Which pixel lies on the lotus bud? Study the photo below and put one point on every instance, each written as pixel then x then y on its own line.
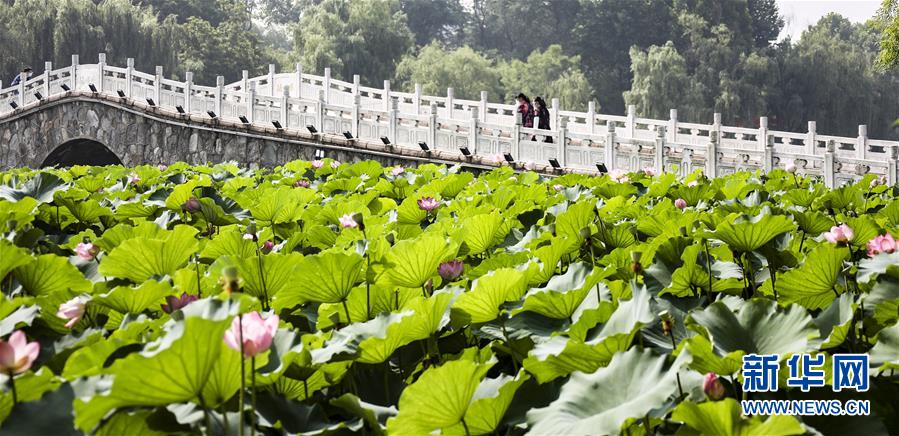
pixel 162 167
pixel 397 171
pixel 318 163
pixel 667 322
pixel 192 205
pixel 348 222
pixel 841 235
pixel 229 280
pixel 680 203
pixel 451 270
pixel 251 334
pixel 73 310
pixel 790 167
pixel 267 246
pixel 635 262
pixel 87 250
pixel 649 172
pixel 692 183
pixel 174 303
pixel 712 386
pixel 335 164
pixel 558 187
pixel 302 183
pixel 428 204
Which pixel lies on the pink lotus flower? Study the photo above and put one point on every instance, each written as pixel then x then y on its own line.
pixel 348 222
pixel 692 183
pixel 558 187
pixel 498 158
pixel 840 234
pixel 649 172
pixel 619 176
pixel 318 163
pixel 162 167
pixel 882 180
pixel 712 386
pixel 396 171
pixel 882 244
pixel 87 250
pixel 790 167
pixel 680 203
pixel 73 310
pixel 17 354
pixel 133 179
pixel 451 270
pixel 249 236
pixel 174 303
pixel 335 164
pixel 257 334
pixel 428 204
pixel 302 183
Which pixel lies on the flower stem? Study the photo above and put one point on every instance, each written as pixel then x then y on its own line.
pixel 243 386
pixel 347 311
pixel 262 278
pixel 12 385
pixel 465 426
pixel 253 392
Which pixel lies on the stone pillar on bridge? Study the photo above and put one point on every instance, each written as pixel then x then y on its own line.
pixel 473 130
pixel 219 90
pixel 711 155
pixel 610 146
pixel 672 125
pixel 285 105
pixel 356 84
pixel 101 67
pixel 388 100
pixel 298 80
pixel 250 101
pixel 432 125
pixel 762 137
pixel 769 152
pixel 483 106
pixel 659 160
pixel 829 164
pixel 591 117
pixel 630 124
pixel 393 115
pixel 861 143
pixel 450 105
pixel 271 80
pixel 320 111
pixel 893 166
pixel 516 136
pixel 129 76
pixel 73 72
pixel 188 91
pixel 157 91
pixel 716 128
pixel 244 80
pixel 326 86
pixel 811 138
pixel 48 67
pixel 357 107
pixel 562 140
pixel 554 116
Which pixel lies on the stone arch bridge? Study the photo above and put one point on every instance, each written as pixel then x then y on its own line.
pixel 99 114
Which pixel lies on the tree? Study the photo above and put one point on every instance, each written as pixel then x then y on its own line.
pixel 462 69
pixel 604 33
pixel 550 74
pixel 435 20
pixel 365 37
pixel 766 21
pixel 887 22
pixel 515 28
pixel 661 82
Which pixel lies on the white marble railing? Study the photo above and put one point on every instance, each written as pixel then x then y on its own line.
pixel 579 140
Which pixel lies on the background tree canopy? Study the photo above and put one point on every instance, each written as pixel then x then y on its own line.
pixel 698 56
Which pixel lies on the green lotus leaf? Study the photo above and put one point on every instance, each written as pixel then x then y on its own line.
pixel 835 321
pixel 41 187
pixel 722 418
pixel 281 205
pixel 181 193
pixel 882 303
pixel 452 386
pixel 136 299
pixel 562 295
pixel 12 257
pixel 85 211
pixel 813 222
pixel 705 360
pixel 885 354
pixel 745 234
pixel 881 264
pixel 325 278
pixel 479 231
pixel 488 292
pixel 30 387
pixel 50 274
pixel 634 383
pixel 319 378
pixel 372 341
pixel 22 212
pixel 113 237
pixel 549 257
pixel 15 313
pixel 138 259
pixel 813 284
pixel 578 216
pixel 132 423
pixel 489 404
pixel 280 273
pixel 172 369
pixel 135 210
pixel 413 262
pixel 759 326
pixel 374 416
pixel 409 213
pixel 229 242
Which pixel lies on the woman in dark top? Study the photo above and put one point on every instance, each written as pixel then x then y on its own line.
pixel 526 110
pixel 542 113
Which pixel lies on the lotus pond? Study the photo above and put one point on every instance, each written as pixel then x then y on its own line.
pixel 413 301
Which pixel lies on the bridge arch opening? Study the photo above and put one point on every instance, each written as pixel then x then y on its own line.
pixel 81 152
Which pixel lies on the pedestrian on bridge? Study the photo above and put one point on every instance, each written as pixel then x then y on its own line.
pixel 22 77
pixel 526 110
pixel 542 115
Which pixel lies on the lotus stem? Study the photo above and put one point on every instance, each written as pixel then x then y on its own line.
pixel 801 241
pixel 12 387
pixel 773 280
pixel 243 386
pixel 708 256
pixel 253 392
pixel 262 278
pixel 465 426
pixel 225 418
pixel 206 418
pixel 199 287
pixel 367 282
pixel 347 311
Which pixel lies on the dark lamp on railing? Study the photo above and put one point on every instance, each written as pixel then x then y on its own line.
pixel 424 146
pixel 555 164
pixel 92 88
pixel 277 125
pixel 13 105
pixel 38 96
pixel 211 114
pixel 243 119
pixel 151 102
pixel 65 87
pixel 601 167
pixel 385 140
pixel 348 136
pixel 180 109
pixel 465 151
pixel 121 93
pixel 311 129
pixel 509 158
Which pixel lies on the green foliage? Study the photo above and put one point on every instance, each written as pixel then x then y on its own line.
pixel 553 324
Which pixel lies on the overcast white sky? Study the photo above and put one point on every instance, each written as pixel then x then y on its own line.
pixel 799 14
